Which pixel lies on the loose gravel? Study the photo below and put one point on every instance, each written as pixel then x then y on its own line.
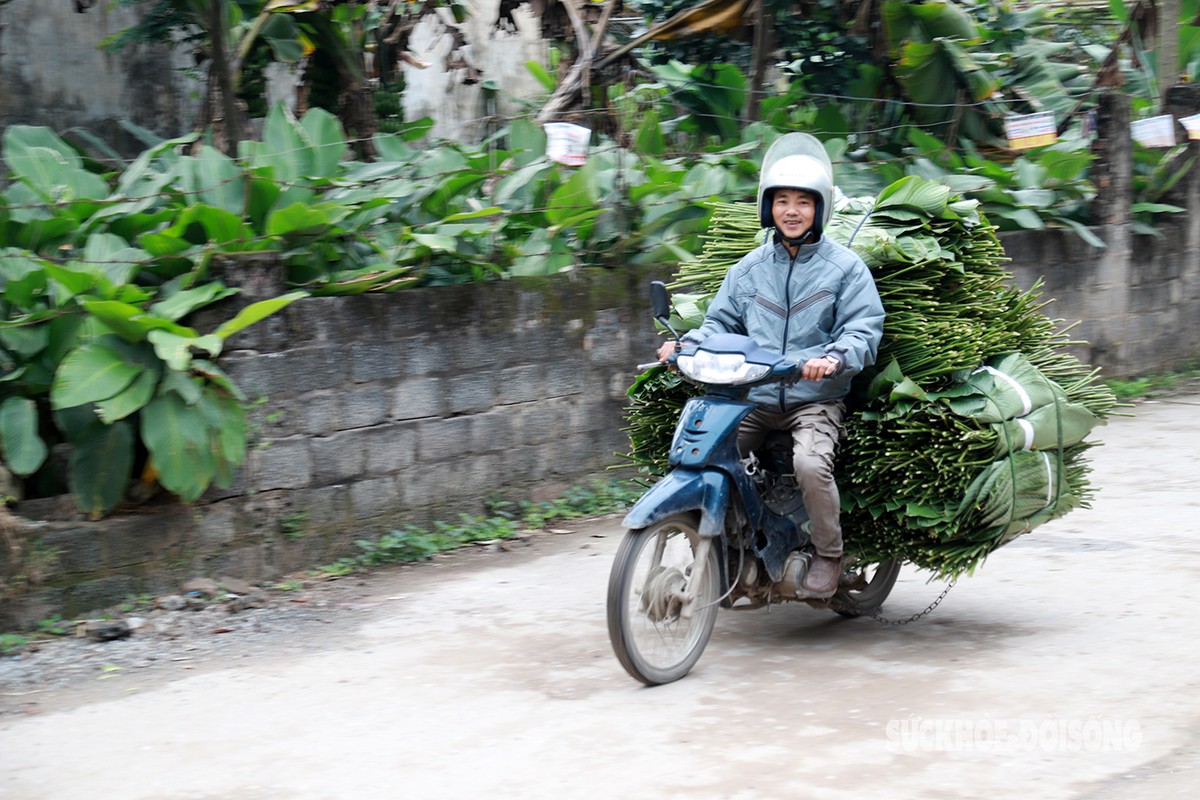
pixel 166 642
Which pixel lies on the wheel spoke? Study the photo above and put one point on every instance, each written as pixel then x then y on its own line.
pixel 656 577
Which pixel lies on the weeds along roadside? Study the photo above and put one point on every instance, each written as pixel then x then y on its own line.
pixel 504 519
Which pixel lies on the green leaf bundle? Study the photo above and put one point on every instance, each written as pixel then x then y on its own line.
pixel 944 461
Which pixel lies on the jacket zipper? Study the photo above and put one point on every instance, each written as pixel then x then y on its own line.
pixel 787 321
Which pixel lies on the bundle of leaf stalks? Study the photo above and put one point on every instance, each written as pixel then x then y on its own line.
pixel 969 431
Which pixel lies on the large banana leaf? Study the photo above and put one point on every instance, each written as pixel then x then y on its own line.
pixel 22 447
pixel 100 465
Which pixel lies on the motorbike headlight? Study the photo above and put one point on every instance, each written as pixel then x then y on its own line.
pixel 720 368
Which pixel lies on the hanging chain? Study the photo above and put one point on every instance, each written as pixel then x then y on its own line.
pixel 937 601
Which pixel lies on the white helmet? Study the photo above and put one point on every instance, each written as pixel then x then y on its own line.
pixel 797 161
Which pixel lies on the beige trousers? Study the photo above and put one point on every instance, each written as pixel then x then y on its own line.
pixel 816 430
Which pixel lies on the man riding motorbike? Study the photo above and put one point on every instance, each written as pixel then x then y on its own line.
pixel 814 301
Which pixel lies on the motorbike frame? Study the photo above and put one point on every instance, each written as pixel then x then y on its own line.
pixel 708 476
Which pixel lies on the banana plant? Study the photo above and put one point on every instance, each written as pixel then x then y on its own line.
pixel 95 285
pixel 941 67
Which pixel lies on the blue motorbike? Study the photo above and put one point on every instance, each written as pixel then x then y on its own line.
pixel 720 530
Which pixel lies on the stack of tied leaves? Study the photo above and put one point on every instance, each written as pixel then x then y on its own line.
pixel 971 428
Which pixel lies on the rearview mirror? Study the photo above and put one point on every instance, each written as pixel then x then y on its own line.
pixel 660 301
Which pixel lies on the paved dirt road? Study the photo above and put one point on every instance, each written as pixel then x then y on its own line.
pixel 1067 667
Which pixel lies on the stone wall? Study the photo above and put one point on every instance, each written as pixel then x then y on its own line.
pixel 1143 324
pixel 1137 299
pixel 370 413
pixel 54 72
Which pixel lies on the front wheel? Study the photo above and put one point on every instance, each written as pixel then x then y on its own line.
pixel 662 599
pixel 866 589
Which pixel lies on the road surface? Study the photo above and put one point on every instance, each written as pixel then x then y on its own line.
pixel 1067 667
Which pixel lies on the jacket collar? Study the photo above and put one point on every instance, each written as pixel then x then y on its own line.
pixel 807 250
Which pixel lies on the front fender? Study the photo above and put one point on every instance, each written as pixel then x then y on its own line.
pixel 682 490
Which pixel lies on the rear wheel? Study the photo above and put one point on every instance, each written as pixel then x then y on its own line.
pixel 866 589
pixel 662 599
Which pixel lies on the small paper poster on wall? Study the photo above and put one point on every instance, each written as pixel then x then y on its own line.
pixel 567 143
pixel 1030 130
pixel 1191 125
pixel 1155 132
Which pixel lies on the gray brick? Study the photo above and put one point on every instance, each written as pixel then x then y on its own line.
pixel 427 484
pixel 30 609
pixel 390 448
pixel 249 562
pixel 365 405
pixel 95 595
pixel 544 421
pixel 537 340
pixel 521 384
pixel 375 497
pixel 236 487
pixel 316 413
pixel 143 539
pixel 609 345
pixel 581 452
pixel 472 393
pixel 338 458
pixel 423 355
pixel 479 476
pixel 531 463
pixel 346 320
pixel 564 379
pixel 257 374
pixel 313 368
pixel 457 484
pixel 324 506
pixel 373 361
pixel 496 431
pixel 217 526
pixel 522 461
pixel 618 383
pixel 78 550
pixel 416 398
pixel 479 352
pixel 281 464
pixel 306 320
pixel 444 439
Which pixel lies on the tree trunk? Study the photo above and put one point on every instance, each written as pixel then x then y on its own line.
pixel 1169 12
pixel 356 109
pixel 760 55
pixel 223 104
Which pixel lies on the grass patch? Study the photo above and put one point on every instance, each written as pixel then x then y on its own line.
pixel 12 643
pixel 506 520
pixel 1154 385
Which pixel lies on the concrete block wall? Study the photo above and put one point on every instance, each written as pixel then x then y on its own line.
pixel 370 413
pixel 1146 324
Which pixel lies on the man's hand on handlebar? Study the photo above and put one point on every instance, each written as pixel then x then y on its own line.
pixel 666 350
pixel 816 369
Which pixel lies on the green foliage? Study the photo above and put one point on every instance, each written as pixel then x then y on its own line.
pixel 816 38
pixel 12 643
pixel 1154 385
pixel 594 499
pixel 507 520
pixel 293 526
pixel 93 294
pixel 919 476
pixel 54 626
pixel 332 37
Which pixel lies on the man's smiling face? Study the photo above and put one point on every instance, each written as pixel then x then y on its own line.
pixel 793 212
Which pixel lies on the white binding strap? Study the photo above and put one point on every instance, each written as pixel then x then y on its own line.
pixel 1026 431
pixel 1049 481
pixel 1026 402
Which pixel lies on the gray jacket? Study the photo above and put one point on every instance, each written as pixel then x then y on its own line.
pixel 823 302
